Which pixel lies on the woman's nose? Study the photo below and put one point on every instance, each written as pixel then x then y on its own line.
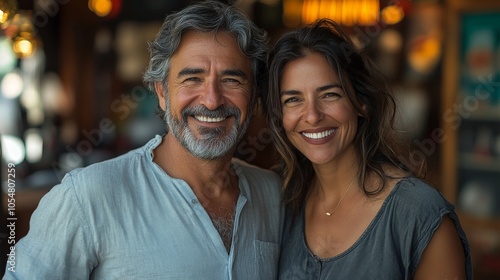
pixel 313 113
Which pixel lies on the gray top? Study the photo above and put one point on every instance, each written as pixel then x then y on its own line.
pixel 390 247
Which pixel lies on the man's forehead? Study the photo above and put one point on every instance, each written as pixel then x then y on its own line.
pixel 200 52
pixel 219 39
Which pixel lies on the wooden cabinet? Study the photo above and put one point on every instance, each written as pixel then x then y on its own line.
pixel 470 118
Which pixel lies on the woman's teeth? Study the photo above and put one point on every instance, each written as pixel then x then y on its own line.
pixel 318 135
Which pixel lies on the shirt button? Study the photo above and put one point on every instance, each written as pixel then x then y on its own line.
pixel 194 201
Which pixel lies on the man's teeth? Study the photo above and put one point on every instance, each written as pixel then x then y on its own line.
pixel 209 119
pixel 318 135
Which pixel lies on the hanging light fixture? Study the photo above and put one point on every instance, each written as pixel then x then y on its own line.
pixel 351 12
pixel 344 12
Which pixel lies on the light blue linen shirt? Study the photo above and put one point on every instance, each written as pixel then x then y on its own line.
pixel 126 218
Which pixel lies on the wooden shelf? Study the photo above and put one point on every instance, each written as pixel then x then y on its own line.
pixel 485 113
pixel 483 232
pixel 479 163
pixel 475 222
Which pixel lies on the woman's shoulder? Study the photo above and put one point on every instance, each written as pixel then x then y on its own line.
pixel 415 195
pixel 413 187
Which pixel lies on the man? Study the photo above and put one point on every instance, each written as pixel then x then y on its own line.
pixel 180 207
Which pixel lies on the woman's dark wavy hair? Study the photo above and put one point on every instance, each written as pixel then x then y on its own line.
pixel 377 142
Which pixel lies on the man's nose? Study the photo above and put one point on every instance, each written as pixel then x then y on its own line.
pixel 212 96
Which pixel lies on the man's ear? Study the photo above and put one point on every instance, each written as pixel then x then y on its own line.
pixel 160 92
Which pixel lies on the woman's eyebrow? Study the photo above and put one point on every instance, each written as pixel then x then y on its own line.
pixel 319 89
pixel 290 92
pixel 322 88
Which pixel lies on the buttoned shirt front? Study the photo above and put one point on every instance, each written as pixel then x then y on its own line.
pixel 126 218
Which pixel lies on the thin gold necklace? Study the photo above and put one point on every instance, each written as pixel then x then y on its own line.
pixel 342 198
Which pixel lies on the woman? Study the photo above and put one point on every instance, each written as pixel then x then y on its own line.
pixel 355 208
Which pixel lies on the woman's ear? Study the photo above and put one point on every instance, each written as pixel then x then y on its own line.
pixel 160 92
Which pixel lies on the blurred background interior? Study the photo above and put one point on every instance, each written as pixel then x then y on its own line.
pixel 71 92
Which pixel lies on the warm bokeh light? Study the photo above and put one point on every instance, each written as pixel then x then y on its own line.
pixel 3 17
pixel 101 8
pixel 345 12
pixel 23 47
pixel 392 14
pixel 8 9
pixel 23 34
pixel 292 10
pixel 424 54
pixel 391 41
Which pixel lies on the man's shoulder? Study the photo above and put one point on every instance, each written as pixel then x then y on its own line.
pixel 123 171
pixel 250 169
pixel 119 164
pixel 112 165
pixel 262 183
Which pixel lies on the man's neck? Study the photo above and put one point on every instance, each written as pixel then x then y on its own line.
pixel 214 183
pixel 206 177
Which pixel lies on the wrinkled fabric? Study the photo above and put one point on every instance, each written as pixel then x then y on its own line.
pixel 390 247
pixel 127 219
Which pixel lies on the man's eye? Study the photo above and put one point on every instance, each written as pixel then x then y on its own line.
pixel 231 81
pixel 192 79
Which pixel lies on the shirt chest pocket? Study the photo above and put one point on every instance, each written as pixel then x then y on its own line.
pixel 267 256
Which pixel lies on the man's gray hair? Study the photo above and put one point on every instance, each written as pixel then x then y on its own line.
pixel 210 17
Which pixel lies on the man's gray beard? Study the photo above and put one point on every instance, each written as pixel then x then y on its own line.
pixel 212 143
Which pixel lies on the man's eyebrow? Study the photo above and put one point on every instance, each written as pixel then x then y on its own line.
pixel 234 72
pixel 228 72
pixel 190 71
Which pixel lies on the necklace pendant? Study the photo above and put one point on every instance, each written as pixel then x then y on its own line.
pixel 328 213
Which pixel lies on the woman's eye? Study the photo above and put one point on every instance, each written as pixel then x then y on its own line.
pixel 290 100
pixel 333 95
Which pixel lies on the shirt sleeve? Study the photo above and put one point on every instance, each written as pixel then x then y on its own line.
pixel 426 215
pixel 58 244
